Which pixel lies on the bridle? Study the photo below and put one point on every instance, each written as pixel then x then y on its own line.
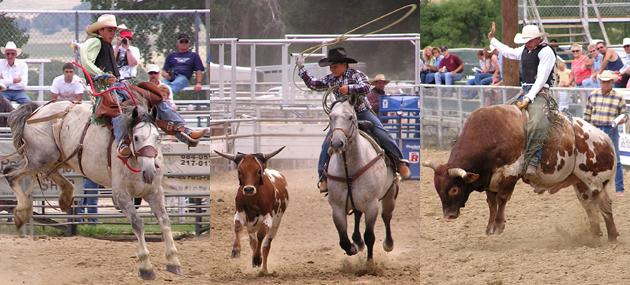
pixel 145 151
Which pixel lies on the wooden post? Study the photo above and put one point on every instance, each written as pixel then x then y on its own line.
pixel 510 28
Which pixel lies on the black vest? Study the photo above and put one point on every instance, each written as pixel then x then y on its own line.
pixel 529 65
pixel 105 59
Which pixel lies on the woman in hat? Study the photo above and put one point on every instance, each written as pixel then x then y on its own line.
pixel 97 56
pixel 350 81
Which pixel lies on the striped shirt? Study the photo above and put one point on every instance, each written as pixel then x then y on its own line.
pixel 356 80
pixel 602 109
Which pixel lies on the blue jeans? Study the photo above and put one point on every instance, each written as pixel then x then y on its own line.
pixel 91 201
pixel 18 96
pixel 384 139
pixel 613 133
pixel 483 78
pixel 447 77
pixel 428 77
pixel 590 83
pixel 165 112
pixel 178 83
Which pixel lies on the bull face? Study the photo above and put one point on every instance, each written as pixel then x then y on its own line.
pixel 453 186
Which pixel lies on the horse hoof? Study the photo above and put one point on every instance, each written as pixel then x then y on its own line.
pixel 360 246
pixel 175 269
pixel 256 261
pixel 236 253
pixel 353 250
pixel 147 274
pixel 388 246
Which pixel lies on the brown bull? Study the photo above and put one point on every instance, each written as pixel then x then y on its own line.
pixel 488 156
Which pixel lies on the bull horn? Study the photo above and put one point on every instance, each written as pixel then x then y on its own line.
pixel 267 156
pixel 228 156
pixel 430 164
pixel 457 172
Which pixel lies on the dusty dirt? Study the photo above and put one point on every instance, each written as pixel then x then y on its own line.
pixel 545 242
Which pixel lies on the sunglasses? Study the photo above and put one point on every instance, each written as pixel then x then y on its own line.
pixel 626 46
pixel 10 53
pixel 574 51
pixel 183 41
pixel 600 48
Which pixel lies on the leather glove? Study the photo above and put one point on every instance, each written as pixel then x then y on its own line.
pixel 299 61
pixel 522 104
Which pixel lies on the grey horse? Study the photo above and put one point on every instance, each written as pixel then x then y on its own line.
pixel 56 135
pixel 355 161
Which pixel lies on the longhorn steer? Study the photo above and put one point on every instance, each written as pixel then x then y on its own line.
pixel 261 200
pixel 488 156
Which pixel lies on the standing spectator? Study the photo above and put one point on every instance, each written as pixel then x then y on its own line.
pixel 594 62
pixel 5 107
pixel 602 108
pixel 429 65
pixel 450 68
pixel 612 61
pixel 579 67
pixel 375 94
pixel 14 74
pixel 154 77
pixel 625 70
pixel 127 56
pixel 180 65
pixel 68 86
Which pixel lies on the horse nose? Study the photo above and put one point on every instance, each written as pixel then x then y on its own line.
pixel 147 176
pixel 337 143
pixel 249 189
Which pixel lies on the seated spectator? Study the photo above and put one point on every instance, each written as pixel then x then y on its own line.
pixel 594 62
pixel 428 65
pixel 68 86
pixel 477 70
pixel 14 74
pixel 580 66
pixel 375 94
pixel 450 69
pixel 437 57
pixel 625 70
pixel 612 61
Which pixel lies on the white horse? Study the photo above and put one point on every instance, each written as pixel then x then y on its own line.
pixel 60 135
pixel 356 163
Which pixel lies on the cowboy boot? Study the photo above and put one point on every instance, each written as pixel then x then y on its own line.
pixel 190 137
pixel 123 148
pixel 403 169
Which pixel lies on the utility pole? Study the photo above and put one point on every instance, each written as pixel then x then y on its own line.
pixel 509 9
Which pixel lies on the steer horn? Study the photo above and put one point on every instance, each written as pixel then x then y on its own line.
pixel 267 156
pixel 457 172
pixel 233 157
pixel 430 164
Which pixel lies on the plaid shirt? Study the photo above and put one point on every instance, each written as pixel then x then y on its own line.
pixel 602 109
pixel 356 80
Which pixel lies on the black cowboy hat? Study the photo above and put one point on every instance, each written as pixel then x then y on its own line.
pixel 336 55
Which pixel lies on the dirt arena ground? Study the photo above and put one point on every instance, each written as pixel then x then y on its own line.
pixel 545 242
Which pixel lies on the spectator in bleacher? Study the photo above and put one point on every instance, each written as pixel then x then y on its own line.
pixel 154 77
pixel 580 69
pixel 477 70
pixel 374 97
pixel 437 54
pixel 594 62
pixel 450 69
pixel 612 61
pixel 127 56
pixel 428 67
pixel 68 86
pixel 14 74
pixel 180 65
pixel 564 78
pixel 625 70
pixel 5 107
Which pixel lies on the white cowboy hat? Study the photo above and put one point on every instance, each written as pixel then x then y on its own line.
pixel 378 77
pixel 608 75
pixel 153 68
pixel 104 21
pixel 11 46
pixel 529 32
pixel 626 41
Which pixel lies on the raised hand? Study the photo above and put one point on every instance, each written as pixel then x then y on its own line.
pixel 493 29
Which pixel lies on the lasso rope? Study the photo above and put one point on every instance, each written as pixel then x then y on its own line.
pixel 309 51
pixel 87 75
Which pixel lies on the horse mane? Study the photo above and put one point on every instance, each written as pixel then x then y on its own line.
pixel 17 120
pixel 129 122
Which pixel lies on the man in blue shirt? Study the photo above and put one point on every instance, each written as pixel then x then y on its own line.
pixel 180 65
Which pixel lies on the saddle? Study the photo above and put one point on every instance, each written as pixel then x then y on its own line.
pixel 366 129
pixel 107 105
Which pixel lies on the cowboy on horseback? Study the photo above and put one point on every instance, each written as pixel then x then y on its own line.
pixel 537 64
pixel 349 82
pixel 97 56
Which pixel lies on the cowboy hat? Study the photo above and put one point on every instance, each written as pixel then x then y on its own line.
pixel 11 46
pixel 608 75
pixel 378 77
pixel 336 55
pixel 529 32
pixel 104 21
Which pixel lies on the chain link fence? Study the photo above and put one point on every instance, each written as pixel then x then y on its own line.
pixel 49 34
pixel 575 8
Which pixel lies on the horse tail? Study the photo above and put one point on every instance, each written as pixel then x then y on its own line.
pixel 17 121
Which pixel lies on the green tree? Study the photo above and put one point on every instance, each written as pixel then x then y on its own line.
pixel 459 23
